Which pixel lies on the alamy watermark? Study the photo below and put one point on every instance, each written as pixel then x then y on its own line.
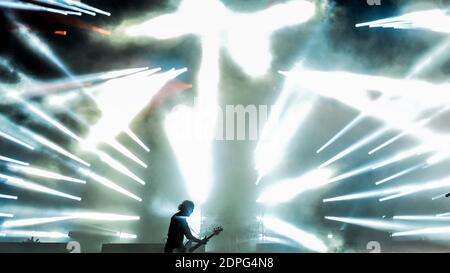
pixel 229 122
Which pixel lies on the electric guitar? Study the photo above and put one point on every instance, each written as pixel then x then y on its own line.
pixel 190 247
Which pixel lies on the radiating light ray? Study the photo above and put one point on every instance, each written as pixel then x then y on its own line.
pixel 301 237
pixel 43 89
pixel 394 192
pixel 35 234
pixel 136 139
pixel 44 173
pixel 7 159
pixel 425 63
pixel 97 216
pixel 288 189
pixel 61 5
pixel 116 165
pixel 38 46
pixel 351 173
pixel 388 142
pixel 190 152
pixel 124 151
pixel 48 119
pixel 418 124
pixel 92 216
pixel 421 218
pixel 402 156
pixel 412 189
pixel 415 20
pixel 384 225
pixel 193 149
pixel 344 130
pixel 254 60
pixel 397 175
pixel 20 183
pixel 423 231
pixel 86 6
pixel 7 196
pixel 438 197
pixel 361 195
pixel 58 149
pixel 429 60
pixel 411 104
pixel 15 140
pixel 42 140
pixel 281 128
pixel 354 147
pixel 443 214
pixel 32 7
pixel 34 221
pixel 112 122
pixel 108 183
pixel 6 215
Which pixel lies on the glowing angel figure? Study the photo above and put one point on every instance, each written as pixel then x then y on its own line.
pixel 246 36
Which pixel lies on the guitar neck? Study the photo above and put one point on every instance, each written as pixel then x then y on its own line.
pixel 194 248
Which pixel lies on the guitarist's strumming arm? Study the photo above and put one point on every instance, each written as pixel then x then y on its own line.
pixel 188 233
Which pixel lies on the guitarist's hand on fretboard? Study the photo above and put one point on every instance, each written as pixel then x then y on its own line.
pixel 204 241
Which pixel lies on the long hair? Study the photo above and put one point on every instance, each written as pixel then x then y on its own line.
pixel 185 205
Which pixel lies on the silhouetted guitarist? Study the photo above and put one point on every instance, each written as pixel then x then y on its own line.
pixel 179 228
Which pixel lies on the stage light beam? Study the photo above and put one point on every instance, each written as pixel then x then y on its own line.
pixel 108 183
pixel 20 183
pixel 290 188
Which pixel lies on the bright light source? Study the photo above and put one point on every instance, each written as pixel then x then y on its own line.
pixel 6 215
pixel 123 235
pixel 192 153
pixel 110 96
pixel 248 34
pixel 288 189
pixel 281 128
pixel 303 238
pixel 7 196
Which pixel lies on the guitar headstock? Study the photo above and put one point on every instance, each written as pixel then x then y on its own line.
pixel 217 230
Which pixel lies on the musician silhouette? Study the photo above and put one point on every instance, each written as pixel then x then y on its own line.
pixel 179 228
